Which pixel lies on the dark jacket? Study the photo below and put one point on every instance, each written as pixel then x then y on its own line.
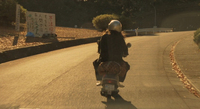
pixel 112 47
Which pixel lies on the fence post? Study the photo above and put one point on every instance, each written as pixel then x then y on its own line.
pixel 136 32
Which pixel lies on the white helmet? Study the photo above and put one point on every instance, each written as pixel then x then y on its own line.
pixel 115 25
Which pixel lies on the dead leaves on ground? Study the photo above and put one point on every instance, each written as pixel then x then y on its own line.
pixel 7 35
pixel 180 74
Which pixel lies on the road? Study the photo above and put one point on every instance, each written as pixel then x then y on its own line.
pixel 64 79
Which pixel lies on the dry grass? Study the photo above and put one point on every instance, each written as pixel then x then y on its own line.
pixel 7 35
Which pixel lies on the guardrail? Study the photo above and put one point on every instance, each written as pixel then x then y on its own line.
pixel 146 31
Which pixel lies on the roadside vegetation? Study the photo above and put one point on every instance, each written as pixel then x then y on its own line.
pixel 81 12
pixel 8 12
pixel 197 37
pixel 101 22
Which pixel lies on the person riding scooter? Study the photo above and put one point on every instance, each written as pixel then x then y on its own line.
pixel 112 47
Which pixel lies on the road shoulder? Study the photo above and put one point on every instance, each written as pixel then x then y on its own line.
pixel 187 55
pixel 191 100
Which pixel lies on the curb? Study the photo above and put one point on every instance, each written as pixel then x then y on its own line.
pixel 28 51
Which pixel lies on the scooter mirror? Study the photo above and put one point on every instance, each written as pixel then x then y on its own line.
pixel 128 45
pixel 98 41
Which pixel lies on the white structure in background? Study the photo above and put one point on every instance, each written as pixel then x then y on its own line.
pixel 40 23
pixel 17 25
pixel 146 31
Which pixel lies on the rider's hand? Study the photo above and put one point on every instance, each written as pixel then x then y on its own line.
pixel 124 55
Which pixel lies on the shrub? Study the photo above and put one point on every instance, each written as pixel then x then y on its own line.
pixel 197 36
pixel 101 21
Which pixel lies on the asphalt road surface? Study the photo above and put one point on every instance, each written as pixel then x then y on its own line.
pixel 64 79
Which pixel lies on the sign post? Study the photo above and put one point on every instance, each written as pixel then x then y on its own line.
pixel 17 25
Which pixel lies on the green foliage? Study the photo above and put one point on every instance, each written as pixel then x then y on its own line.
pixel 8 12
pixel 197 36
pixel 101 21
pixel 22 14
pixel 127 22
pixel 79 12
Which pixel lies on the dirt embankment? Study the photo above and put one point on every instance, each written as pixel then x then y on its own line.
pixel 9 39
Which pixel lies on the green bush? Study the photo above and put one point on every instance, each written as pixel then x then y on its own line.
pixel 8 12
pixel 101 22
pixel 197 36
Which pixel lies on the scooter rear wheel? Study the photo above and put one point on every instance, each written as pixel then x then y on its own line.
pixel 115 93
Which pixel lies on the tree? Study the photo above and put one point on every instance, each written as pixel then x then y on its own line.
pixel 78 12
pixel 8 12
pixel 101 22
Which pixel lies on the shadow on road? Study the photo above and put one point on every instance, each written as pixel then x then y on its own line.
pixel 9 106
pixel 39 39
pixel 118 103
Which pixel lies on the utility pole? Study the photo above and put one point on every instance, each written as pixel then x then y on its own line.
pixel 155 16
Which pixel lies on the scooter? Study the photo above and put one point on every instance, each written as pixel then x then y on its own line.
pixel 110 83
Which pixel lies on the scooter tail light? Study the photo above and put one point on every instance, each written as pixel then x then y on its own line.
pixel 109 81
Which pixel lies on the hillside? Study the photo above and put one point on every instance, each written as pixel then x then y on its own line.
pixel 181 16
pixel 8 39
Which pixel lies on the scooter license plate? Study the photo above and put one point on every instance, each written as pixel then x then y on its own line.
pixel 109 87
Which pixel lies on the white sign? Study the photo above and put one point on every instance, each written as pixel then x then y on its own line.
pixel 40 23
pixel 17 26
